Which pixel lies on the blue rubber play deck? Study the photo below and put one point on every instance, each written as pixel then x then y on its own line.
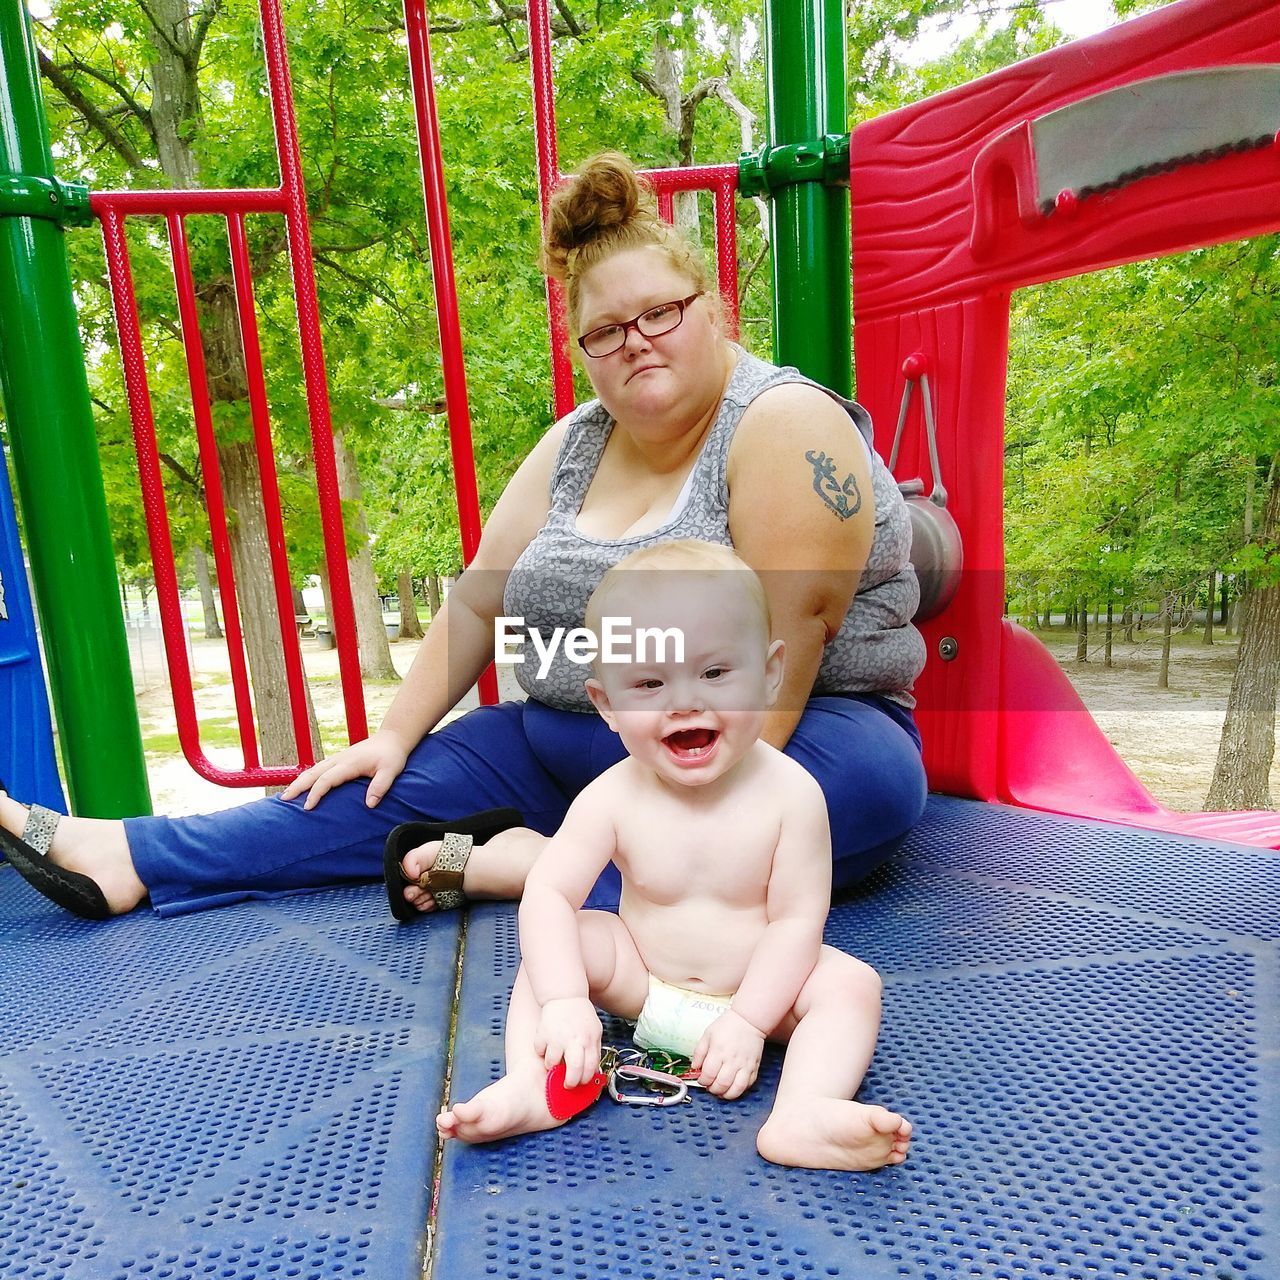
pixel 244 1093
pixel 1080 1020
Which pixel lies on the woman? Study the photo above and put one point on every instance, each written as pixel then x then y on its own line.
pixel 689 437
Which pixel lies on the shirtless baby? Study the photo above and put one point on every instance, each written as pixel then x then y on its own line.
pixel 725 855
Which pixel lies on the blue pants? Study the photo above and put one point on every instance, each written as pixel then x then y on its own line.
pixel 863 751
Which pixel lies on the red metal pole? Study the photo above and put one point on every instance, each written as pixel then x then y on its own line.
pixel 313 367
pixel 250 200
pixel 198 381
pixel 261 416
pixel 727 254
pixel 544 131
pixel 448 318
pixel 722 181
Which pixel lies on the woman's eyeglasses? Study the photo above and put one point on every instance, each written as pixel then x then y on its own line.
pixel 653 323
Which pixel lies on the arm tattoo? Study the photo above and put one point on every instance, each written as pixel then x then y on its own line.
pixel 843 497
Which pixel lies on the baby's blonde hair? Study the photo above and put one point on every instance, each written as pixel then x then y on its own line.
pixel 604 208
pixel 688 555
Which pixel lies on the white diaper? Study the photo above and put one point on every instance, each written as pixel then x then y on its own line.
pixel 674 1018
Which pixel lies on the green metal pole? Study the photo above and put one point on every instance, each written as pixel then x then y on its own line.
pixel 55 457
pixel 805 52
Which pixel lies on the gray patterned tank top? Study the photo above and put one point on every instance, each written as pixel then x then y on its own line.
pixel 876 650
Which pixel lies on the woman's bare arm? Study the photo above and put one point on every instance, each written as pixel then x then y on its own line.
pixel 458 644
pixel 802 514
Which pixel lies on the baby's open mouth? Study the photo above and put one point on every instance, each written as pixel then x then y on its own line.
pixel 689 744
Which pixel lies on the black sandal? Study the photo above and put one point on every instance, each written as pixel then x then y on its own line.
pixel 29 857
pixel 443 880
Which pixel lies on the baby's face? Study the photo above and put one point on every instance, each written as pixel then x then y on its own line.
pixel 690 719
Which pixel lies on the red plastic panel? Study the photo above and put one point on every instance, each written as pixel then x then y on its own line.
pixel 915 205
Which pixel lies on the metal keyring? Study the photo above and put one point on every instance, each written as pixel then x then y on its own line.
pixel 668 1091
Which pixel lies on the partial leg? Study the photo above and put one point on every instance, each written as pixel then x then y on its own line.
pixel 495 869
pixel 270 848
pixel 831 1036
pixel 517 1103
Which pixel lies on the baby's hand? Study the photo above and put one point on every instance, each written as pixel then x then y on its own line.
pixel 569 1031
pixel 727 1058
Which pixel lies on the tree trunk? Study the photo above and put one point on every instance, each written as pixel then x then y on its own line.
pixel 255 594
pixel 1222 606
pixel 323 573
pixel 433 594
pixel 212 630
pixel 1207 636
pixel 1241 777
pixel 1167 641
pixel 668 73
pixel 1082 630
pixel 410 627
pixel 1106 646
pixel 371 631
pixel 1126 621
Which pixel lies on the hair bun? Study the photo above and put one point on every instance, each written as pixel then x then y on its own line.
pixel 604 193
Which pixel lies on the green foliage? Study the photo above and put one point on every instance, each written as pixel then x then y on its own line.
pixel 1139 401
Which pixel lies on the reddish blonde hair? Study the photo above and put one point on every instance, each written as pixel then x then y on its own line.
pixel 605 208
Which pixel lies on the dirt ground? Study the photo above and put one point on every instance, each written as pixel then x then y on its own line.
pixel 1169 738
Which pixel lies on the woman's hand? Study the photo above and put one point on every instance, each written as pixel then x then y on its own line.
pixel 727 1058
pixel 380 758
pixel 569 1031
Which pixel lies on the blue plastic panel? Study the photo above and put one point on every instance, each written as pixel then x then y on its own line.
pixel 1080 1020
pixel 243 1093
pixel 27 761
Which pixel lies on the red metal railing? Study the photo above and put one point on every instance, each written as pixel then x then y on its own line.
pixel 721 180
pixel 448 319
pixel 289 201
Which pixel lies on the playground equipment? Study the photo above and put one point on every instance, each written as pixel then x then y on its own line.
pixel 1080 1017
pixel 27 763
pixel 953 210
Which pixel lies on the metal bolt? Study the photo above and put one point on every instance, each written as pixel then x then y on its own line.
pixel 948 647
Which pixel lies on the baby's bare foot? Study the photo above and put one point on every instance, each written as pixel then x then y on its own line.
pixel 495 869
pixel 829 1133
pixel 515 1104
pixel 95 847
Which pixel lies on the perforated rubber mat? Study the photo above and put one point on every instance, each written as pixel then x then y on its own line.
pixel 1080 1020
pixel 244 1093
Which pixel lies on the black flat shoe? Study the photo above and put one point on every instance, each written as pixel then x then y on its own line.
pixel 444 880
pixel 29 857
